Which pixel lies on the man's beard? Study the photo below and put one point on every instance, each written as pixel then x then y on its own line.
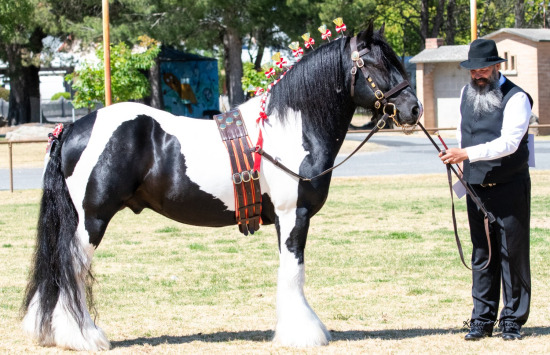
pixel 486 98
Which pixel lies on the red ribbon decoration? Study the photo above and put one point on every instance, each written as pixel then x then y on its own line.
pixel 260 121
pixel 298 52
pixel 281 63
pixel 326 35
pixel 310 42
pixel 258 91
pixel 55 134
pixel 341 28
pixel 270 73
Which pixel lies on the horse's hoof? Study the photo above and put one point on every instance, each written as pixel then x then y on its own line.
pixel 301 336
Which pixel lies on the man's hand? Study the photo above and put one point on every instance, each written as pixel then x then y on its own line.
pixel 453 156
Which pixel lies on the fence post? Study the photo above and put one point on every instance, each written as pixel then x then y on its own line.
pixel 11 166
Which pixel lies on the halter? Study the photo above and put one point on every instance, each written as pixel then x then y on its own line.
pixel 388 108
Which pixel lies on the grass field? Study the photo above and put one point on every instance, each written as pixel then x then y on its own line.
pixel 382 269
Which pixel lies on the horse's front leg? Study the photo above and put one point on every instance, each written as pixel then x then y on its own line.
pixel 297 323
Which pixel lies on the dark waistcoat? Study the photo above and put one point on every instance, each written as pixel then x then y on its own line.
pixel 477 129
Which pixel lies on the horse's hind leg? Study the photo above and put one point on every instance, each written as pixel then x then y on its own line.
pixel 297 323
pixel 56 309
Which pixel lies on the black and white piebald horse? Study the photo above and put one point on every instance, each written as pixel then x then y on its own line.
pixel 131 155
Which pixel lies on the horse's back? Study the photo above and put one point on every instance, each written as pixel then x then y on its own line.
pixel 131 155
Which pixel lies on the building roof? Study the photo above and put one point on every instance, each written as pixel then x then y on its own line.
pixel 533 34
pixel 459 53
pixel 450 54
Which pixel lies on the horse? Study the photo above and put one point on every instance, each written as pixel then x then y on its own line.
pixel 131 155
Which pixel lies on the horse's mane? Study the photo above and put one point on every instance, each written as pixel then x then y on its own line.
pixel 385 56
pixel 316 85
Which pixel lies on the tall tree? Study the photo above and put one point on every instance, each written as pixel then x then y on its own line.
pixel 519 14
pixel 22 29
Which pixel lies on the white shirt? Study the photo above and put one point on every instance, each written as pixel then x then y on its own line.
pixel 515 123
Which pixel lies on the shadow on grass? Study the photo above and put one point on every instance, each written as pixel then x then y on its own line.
pixel 350 335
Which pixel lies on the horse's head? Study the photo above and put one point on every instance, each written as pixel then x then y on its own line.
pixel 378 80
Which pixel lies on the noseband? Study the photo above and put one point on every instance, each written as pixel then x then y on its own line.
pixel 388 108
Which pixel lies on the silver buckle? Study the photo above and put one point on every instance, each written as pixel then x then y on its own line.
pixel 237 178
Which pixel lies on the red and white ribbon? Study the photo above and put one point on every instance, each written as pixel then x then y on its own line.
pixel 270 73
pixel 258 91
pixel 341 28
pixel 326 35
pixel 298 52
pixel 281 62
pixel 309 42
pixel 54 135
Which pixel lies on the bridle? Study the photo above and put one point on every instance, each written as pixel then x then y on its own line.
pixel 388 108
pixel 381 102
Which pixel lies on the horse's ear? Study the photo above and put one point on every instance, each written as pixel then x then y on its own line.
pixel 366 35
pixel 382 28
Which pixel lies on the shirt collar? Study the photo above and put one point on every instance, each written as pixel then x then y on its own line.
pixel 501 79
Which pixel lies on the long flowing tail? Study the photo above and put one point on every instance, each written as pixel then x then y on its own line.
pixel 59 268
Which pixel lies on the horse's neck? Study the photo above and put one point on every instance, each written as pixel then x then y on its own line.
pixel 323 143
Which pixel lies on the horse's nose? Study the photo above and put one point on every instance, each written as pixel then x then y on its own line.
pixel 417 111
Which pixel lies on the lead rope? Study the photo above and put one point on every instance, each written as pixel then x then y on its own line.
pixel 488 216
pixel 258 150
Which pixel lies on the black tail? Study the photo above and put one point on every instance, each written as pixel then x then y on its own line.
pixel 55 267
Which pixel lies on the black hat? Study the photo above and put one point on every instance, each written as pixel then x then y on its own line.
pixel 482 53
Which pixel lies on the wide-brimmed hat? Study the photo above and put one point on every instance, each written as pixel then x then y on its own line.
pixel 482 53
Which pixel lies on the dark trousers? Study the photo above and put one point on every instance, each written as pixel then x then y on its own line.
pixel 510 203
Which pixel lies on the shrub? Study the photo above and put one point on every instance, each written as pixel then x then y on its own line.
pixel 4 94
pixel 58 95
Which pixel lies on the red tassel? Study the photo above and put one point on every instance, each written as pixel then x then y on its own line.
pixel 258 156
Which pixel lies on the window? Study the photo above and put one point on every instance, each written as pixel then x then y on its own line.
pixel 510 66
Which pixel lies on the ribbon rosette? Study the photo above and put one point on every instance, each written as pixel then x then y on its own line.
pixel 54 135
pixel 296 49
pixel 269 73
pixel 340 25
pixel 308 41
pixel 279 61
pixel 325 32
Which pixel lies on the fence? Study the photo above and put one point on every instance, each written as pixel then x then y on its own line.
pixel 61 110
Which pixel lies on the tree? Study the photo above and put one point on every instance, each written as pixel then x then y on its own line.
pixel 23 26
pixel 127 79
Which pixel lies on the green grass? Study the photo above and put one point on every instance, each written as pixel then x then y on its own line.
pixel 382 270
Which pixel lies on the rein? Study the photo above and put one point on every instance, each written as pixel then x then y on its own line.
pixel 381 101
pixel 281 166
pixel 488 216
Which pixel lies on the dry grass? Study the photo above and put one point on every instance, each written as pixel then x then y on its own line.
pixel 24 155
pixel 382 273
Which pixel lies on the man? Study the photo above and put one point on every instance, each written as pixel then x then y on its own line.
pixel 492 136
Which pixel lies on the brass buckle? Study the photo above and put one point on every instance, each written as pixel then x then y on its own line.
pixel 237 178
pixel 381 126
pixel 392 115
pixel 379 94
pixel 360 63
pixel 255 175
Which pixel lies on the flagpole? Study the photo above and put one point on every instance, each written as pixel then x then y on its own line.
pixel 473 19
pixel 106 52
